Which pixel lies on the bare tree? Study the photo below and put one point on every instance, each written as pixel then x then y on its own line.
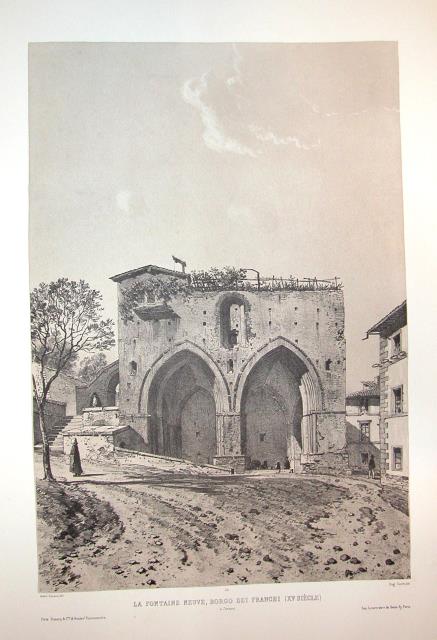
pixel 65 321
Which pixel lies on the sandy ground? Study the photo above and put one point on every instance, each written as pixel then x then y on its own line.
pixel 120 527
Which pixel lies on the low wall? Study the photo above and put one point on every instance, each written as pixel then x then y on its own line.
pixel 97 443
pixel 166 463
pixel 238 463
pixel 101 416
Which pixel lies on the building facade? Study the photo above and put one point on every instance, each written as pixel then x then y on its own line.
pixel 243 377
pixel 362 426
pixel 393 368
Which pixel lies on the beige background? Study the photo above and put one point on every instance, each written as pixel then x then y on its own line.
pixel 127 142
pixel 340 614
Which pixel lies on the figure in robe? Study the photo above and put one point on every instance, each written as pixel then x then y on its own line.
pixel 75 465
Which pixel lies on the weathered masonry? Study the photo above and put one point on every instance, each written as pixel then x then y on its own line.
pixel 243 376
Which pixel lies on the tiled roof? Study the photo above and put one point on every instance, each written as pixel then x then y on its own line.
pixel 149 268
pixel 364 393
pixel 394 320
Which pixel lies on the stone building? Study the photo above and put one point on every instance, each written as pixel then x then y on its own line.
pixel 362 426
pixel 61 404
pixel 240 376
pixel 393 375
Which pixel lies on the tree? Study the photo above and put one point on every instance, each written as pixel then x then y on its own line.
pixel 65 321
pixel 91 365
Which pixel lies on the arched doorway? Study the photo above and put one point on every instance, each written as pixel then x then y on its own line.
pixel 112 393
pixel 182 409
pixel 276 401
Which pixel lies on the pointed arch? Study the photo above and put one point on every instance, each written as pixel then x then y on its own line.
pixel 221 388
pixel 310 380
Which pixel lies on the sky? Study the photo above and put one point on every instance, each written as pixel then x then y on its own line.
pixel 281 157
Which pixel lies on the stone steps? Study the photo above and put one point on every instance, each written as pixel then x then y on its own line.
pixel 56 434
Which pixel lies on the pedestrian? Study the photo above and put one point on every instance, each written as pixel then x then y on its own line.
pixel 287 464
pixel 75 465
pixel 278 466
pixel 372 466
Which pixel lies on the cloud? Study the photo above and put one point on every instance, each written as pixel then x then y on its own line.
pixel 131 203
pixel 214 134
pixel 268 136
pixel 236 65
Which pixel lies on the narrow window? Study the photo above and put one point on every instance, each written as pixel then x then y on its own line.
pixel 396 341
pixel 133 367
pixel 230 366
pixel 397 400
pixel 328 365
pixel 397 458
pixel 365 431
pixel 262 437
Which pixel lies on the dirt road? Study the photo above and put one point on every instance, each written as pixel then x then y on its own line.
pixel 130 527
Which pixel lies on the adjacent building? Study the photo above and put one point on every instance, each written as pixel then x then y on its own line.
pixel 393 376
pixel 362 426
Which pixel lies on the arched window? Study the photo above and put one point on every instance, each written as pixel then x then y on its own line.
pixel 233 309
pixel 133 368
pixel 95 401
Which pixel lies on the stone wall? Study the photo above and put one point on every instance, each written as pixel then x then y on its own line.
pixel 101 416
pixel 55 413
pixel 95 443
pixel 103 387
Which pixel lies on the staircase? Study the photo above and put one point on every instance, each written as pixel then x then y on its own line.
pixel 56 440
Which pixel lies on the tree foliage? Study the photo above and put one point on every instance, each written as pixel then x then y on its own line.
pixel 65 321
pixel 91 365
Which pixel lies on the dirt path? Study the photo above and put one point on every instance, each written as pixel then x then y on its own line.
pixel 172 530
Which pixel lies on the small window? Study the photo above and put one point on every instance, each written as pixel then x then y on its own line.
pixel 397 400
pixel 396 342
pixel 365 431
pixel 230 366
pixel 133 367
pixel 328 365
pixel 262 437
pixel 204 324
pixel 397 458
pixel 197 434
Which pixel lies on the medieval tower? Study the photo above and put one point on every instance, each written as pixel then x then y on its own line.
pixel 242 374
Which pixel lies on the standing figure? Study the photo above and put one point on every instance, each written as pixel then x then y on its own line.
pixel 75 465
pixel 278 466
pixel 372 467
